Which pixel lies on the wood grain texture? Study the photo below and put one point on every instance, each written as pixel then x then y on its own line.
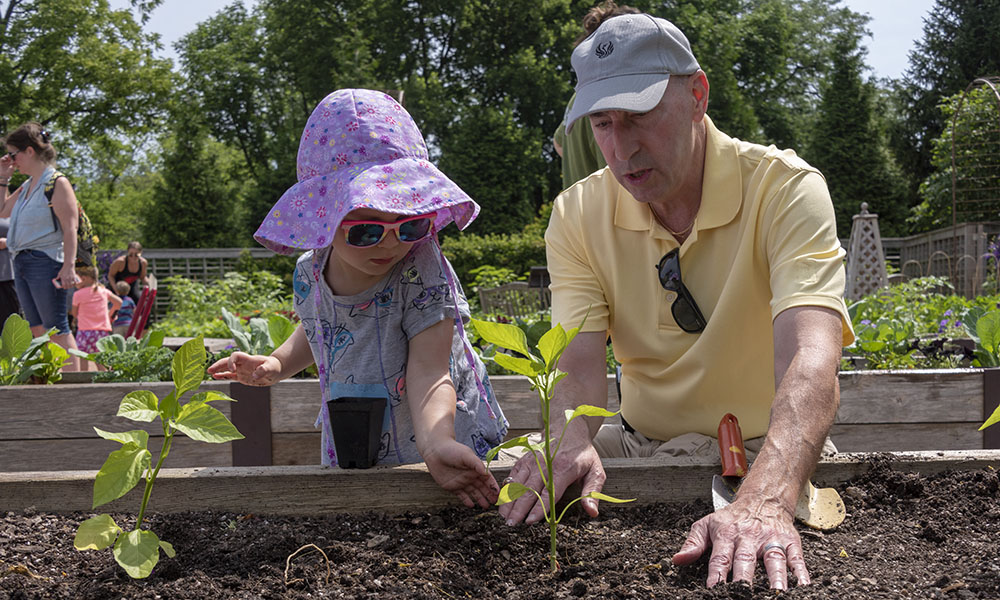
pixel 312 490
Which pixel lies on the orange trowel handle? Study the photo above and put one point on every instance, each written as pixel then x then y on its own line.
pixel 734 457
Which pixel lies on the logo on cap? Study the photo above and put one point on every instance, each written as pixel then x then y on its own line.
pixel 604 50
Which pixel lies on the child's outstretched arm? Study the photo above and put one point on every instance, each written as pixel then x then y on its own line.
pixel 431 396
pixel 255 369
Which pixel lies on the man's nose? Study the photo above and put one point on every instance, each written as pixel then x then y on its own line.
pixel 625 142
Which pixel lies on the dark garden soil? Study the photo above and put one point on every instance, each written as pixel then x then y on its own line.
pixel 906 536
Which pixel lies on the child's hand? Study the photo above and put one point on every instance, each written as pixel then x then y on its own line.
pixel 247 369
pixel 456 468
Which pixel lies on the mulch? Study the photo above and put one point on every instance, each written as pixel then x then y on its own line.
pixel 906 536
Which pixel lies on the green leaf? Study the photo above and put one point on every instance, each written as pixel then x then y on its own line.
pixel 96 533
pixel 520 441
pixel 988 330
pixel 206 424
pixel 120 472
pixel 280 327
pixel 139 405
pixel 551 345
pixel 137 552
pixel 512 491
pixel 202 397
pixel 16 336
pixel 994 418
pixel 510 337
pixel 234 324
pixel 189 366
pixel 154 339
pixel 137 436
pixel 586 410
pixel 521 366
pixel 607 498
pixel 169 407
pixel 168 548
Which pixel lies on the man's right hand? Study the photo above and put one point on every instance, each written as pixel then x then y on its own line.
pixel 577 460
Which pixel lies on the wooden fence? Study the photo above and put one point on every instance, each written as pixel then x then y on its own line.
pixel 45 428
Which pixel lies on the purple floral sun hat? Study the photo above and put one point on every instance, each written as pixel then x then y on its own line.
pixel 360 149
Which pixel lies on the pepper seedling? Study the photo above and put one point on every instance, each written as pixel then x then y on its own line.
pixel 138 550
pixel 542 370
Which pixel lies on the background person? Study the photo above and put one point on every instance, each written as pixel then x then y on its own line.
pixel 123 318
pixel 42 239
pixel 131 268
pixel 8 295
pixel 739 308
pixel 577 148
pixel 92 307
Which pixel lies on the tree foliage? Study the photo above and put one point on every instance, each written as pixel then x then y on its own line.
pixel 847 146
pixel 974 133
pixel 959 44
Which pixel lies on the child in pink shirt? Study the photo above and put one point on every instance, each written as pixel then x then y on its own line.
pixel 90 309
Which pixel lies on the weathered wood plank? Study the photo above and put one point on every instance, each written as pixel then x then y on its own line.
pixel 311 490
pixel 73 410
pixel 895 437
pixel 916 396
pixel 295 448
pixel 73 454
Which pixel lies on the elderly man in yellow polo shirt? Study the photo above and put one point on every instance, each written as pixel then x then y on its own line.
pixel 715 267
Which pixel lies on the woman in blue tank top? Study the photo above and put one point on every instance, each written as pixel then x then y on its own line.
pixel 41 236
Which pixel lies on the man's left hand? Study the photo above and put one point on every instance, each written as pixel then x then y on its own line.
pixel 742 533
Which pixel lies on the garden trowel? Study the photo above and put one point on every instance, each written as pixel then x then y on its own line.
pixel 817 508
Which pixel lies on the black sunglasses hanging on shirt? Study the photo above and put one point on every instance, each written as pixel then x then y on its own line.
pixel 685 310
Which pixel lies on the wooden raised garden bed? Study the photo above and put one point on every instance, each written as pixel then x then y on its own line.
pixel 50 428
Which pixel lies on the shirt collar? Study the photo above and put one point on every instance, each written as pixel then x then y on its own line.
pixel 721 192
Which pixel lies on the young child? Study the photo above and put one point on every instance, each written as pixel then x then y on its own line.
pixel 379 305
pixel 123 318
pixel 90 309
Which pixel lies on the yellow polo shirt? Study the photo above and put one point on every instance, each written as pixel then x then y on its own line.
pixel 765 239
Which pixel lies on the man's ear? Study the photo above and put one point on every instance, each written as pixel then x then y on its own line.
pixel 699 92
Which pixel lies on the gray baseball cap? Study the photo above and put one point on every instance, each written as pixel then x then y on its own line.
pixel 626 64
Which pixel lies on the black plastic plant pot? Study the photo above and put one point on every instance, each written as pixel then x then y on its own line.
pixel 357 430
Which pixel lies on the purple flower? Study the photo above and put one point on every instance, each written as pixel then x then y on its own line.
pixel 943 325
pixel 947 313
pixel 868 322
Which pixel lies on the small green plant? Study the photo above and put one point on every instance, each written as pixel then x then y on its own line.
pixel 260 336
pixel 130 359
pixel 138 550
pixel 24 358
pixel 542 370
pixel 886 343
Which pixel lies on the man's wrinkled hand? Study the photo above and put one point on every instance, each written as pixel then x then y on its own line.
pixel 739 535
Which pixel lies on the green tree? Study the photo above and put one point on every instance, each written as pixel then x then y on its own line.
pixel 959 44
pixel 847 148
pixel 81 69
pixel 977 146
pixel 197 201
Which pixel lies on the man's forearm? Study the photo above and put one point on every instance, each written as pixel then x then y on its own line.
pixel 585 383
pixel 804 407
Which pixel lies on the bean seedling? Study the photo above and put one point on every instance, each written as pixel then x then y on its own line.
pixel 543 373
pixel 138 551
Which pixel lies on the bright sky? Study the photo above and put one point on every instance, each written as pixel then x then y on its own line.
pixel 895 25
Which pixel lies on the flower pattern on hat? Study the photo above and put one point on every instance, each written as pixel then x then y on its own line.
pixel 359 149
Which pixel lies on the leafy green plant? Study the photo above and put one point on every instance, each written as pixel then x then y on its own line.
pixel 984 328
pixel 542 370
pixel 138 550
pixel 130 359
pixel 24 358
pixel 260 336
pixel 194 305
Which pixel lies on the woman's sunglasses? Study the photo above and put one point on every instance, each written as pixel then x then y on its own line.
pixel 685 310
pixel 362 234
